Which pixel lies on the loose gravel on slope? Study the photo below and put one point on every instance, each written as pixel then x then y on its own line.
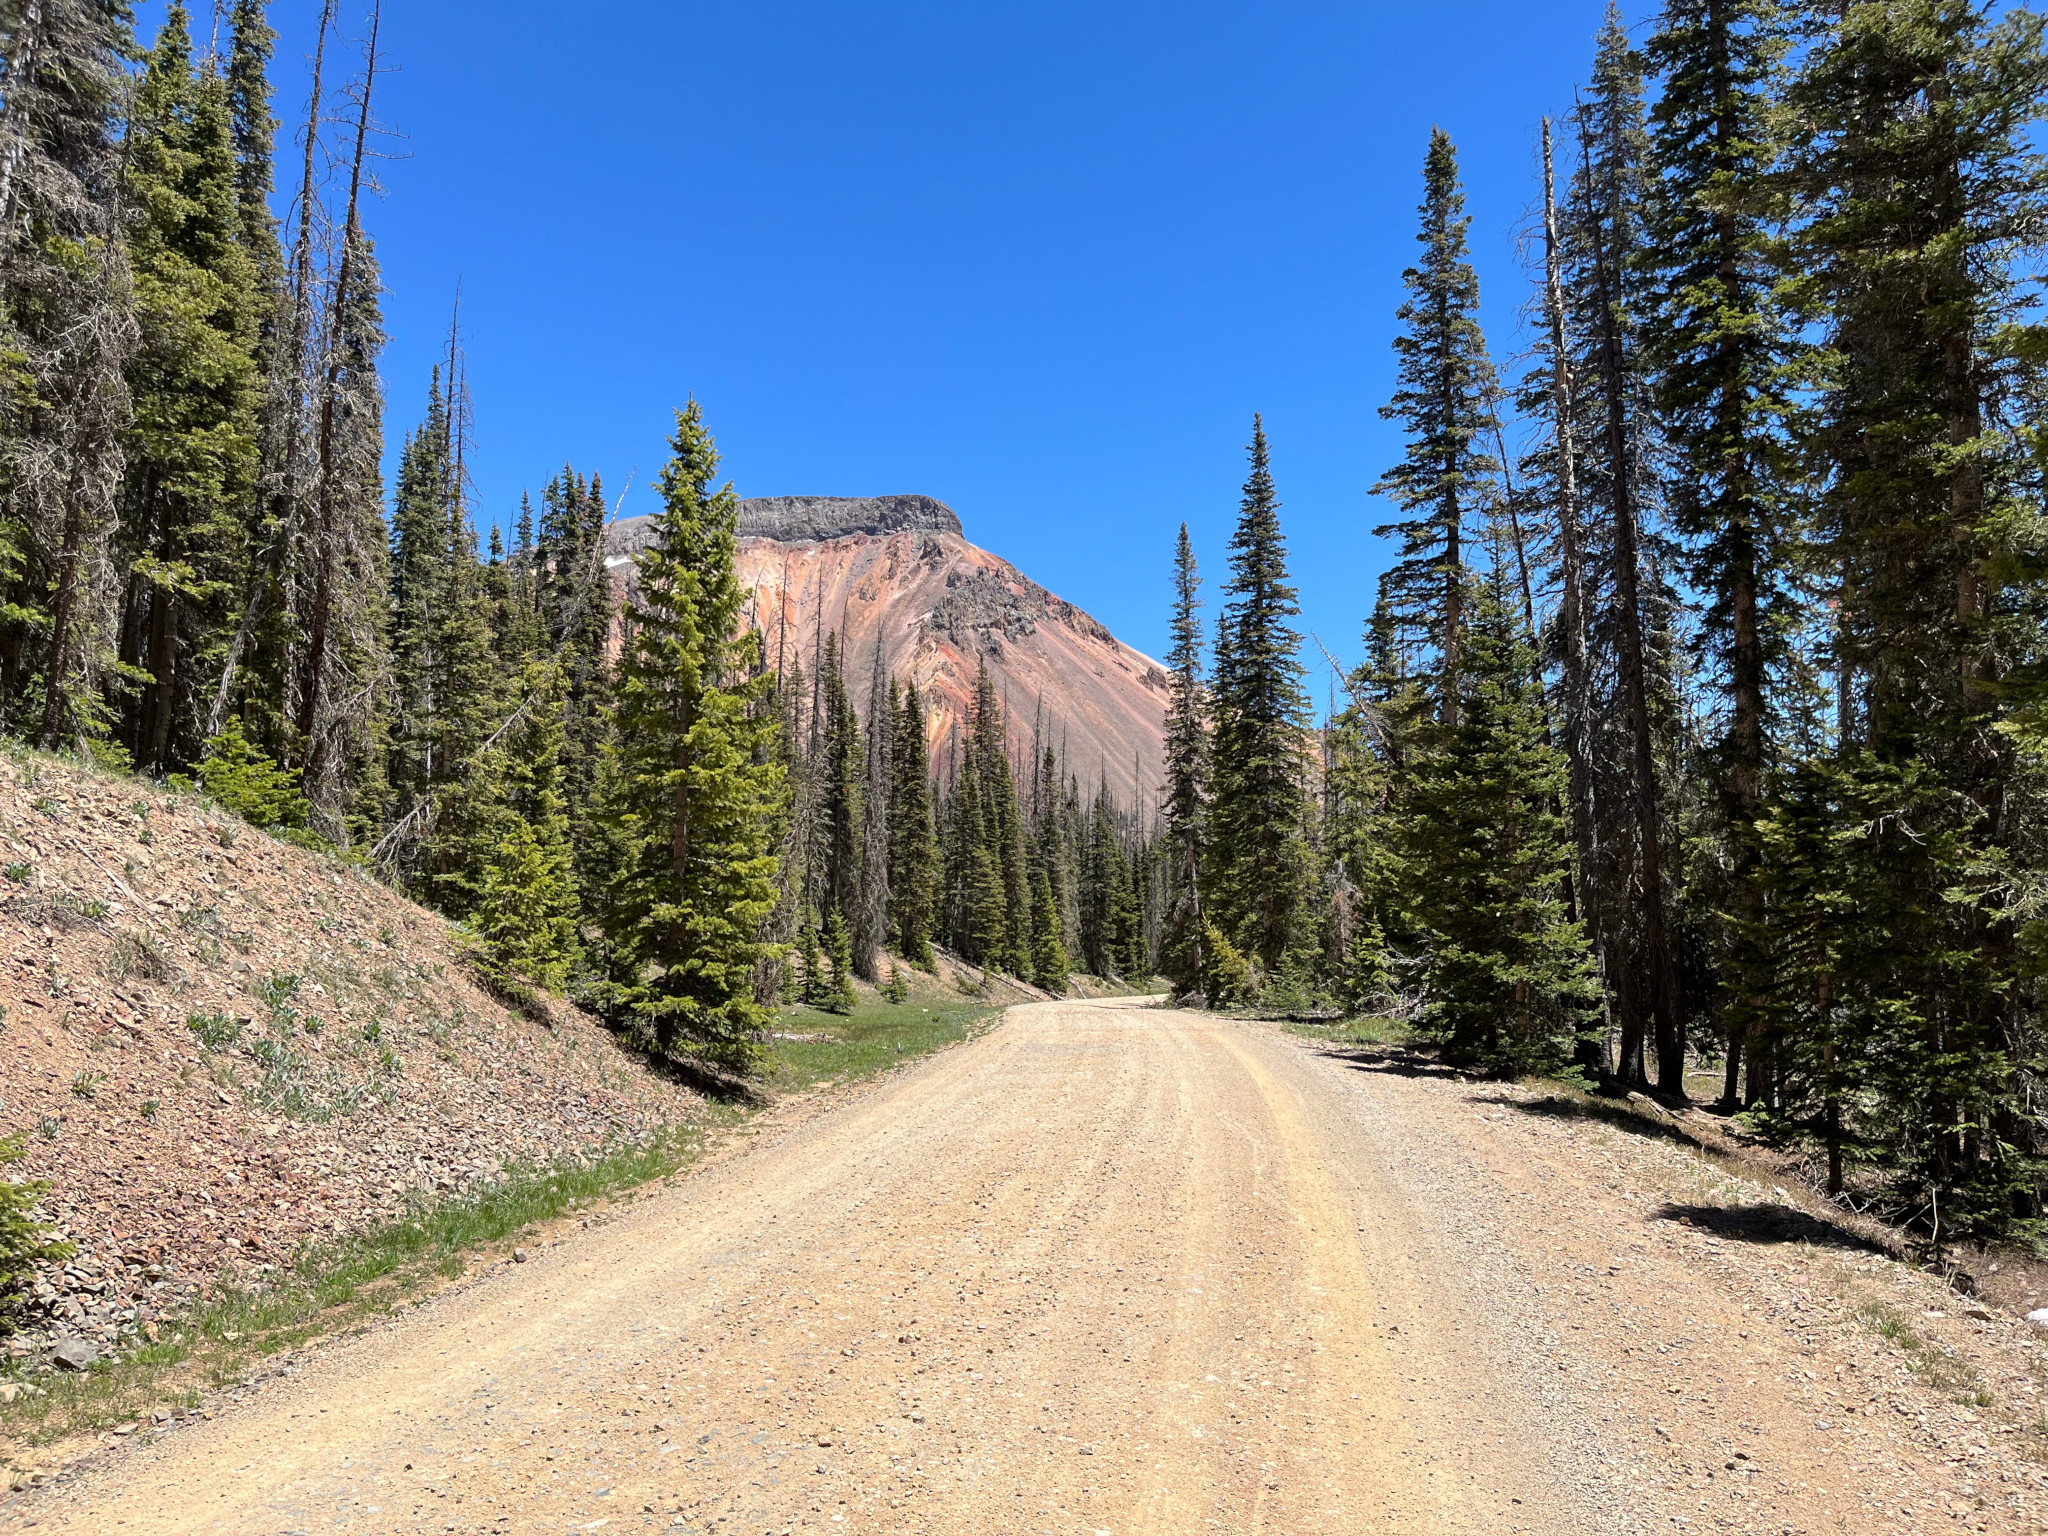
pixel 343 1063
pixel 1116 1269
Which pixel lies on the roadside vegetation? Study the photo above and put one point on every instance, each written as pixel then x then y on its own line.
pixel 333 1289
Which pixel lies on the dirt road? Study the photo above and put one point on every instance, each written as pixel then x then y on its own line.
pixel 1111 1269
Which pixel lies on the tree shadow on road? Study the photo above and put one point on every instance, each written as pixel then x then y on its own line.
pixel 1617 1113
pixel 1765 1223
pixel 1390 1061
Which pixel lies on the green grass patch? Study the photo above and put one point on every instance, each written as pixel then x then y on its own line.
pixel 1953 1378
pixel 341 1286
pixel 877 1035
pixel 1362 1031
pixel 331 1288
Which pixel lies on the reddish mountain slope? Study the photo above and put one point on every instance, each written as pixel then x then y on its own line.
pixel 895 572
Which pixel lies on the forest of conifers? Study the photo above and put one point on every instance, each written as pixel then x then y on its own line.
pixel 1702 715
pixel 202 576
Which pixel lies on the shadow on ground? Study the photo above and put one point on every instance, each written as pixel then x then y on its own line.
pixel 1764 1224
pixel 1617 1113
pixel 1389 1060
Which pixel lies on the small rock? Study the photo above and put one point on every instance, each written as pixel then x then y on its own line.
pixel 2039 1317
pixel 74 1354
pixel 520 1255
pixel 1087 1450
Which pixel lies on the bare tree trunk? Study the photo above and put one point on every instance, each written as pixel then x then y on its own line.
pixel 310 723
pixel 1664 1001
pixel 63 620
pixel 1571 616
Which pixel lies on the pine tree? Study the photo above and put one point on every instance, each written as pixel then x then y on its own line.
pixel 66 336
pixel 1258 869
pixel 572 594
pixel 1608 238
pixel 527 907
pixel 1719 341
pixel 345 762
pixel 1184 836
pixel 841 765
pixel 980 898
pixel 871 915
pixel 1105 888
pixel 247 77
pixel 346 427
pixel 1509 978
pixel 192 451
pixel 1050 966
pixel 259 671
pixel 1553 471
pixel 838 996
pixel 249 784
pixel 913 839
pixel 448 686
pixel 1910 160
pixel 695 787
pixel 1124 941
pixel 1051 962
pixel 1445 406
pixel 1359 831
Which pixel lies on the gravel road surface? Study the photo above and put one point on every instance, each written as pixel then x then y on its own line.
pixel 1108 1270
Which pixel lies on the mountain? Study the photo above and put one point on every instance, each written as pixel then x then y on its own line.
pixel 897 572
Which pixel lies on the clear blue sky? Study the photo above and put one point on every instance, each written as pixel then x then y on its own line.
pixel 1040 261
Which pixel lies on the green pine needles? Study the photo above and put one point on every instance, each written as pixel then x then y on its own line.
pixel 527 905
pixel 1509 980
pixel 1258 865
pixel 251 785
pixel 696 787
pixel 25 1242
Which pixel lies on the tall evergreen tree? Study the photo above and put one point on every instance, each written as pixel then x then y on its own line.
pixel 695 788
pixel 841 765
pixel 341 396
pixel 67 334
pixel 1445 405
pixel 1184 834
pixel 345 775
pixel 1508 975
pixel 1719 340
pixel 526 907
pixel 1610 196
pixel 254 130
pixel 191 513
pixel 447 685
pixel 871 916
pixel 1258 867
pixel 913 838
pixel 1911 160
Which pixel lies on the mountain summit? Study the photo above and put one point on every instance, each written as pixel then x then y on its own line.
pixel 897 573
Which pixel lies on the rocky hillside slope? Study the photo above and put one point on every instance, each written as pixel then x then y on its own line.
pixel 220 1046
pixel 896 572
